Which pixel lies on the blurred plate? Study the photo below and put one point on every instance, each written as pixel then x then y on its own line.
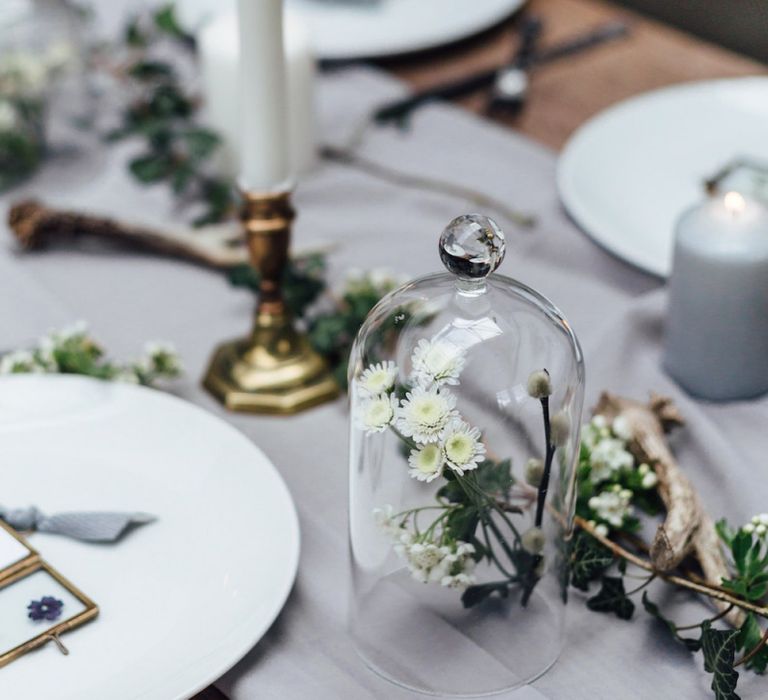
pixel 628 173
pixel 181 599
pixel 348 29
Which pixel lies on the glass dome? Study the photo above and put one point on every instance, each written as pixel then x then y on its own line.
pixel 466 393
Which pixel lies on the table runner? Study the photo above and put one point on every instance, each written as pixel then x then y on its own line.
pixel 616 311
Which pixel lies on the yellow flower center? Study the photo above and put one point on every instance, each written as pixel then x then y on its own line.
pixel 459 448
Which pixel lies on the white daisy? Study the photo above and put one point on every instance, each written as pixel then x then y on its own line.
pixel 376 414
pixel 378 378
pixel 427 463
pixel 462 445
pixel 612 506
pixel 424 413
pixel 437 362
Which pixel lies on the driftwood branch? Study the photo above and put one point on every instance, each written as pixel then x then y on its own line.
pixel 687 528
pixel 220 246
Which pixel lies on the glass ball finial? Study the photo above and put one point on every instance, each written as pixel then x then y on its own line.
pixel 472 246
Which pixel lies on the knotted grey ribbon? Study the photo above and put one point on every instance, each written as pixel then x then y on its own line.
pixel 90 527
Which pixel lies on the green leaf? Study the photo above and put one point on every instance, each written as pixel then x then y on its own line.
pixel 719 648
pixel 725 531
pixel 151 168
pixel 462 523
pixel 133 35
pixel 165 21
pixel 740 547
pixel 652 609
pixel 588 560
pixel 477 594
pixel 495 477
pixel 150 70
pixel 750 635
pixel 452 492
pixel 612 598
pixel 200 142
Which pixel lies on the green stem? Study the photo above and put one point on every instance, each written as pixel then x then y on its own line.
pixel 710 619
pixel 491 553
pixel 642 585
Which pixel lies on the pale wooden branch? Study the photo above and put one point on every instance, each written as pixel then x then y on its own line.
pixel 715 592
pixel 218 246
pixel 687 528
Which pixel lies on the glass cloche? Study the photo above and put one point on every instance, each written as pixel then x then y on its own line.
pixel 466 393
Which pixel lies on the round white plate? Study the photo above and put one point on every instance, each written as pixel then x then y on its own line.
pixel 348 29
pixel 181 599
pixel 627 174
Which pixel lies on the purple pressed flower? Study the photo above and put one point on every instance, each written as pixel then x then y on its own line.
pixel 47 608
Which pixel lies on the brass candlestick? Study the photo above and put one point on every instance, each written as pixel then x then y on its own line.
pixel 274 370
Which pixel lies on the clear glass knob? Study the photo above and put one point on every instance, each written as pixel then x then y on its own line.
pixel 472 246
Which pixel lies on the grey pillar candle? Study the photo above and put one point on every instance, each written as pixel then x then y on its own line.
pixel 717 324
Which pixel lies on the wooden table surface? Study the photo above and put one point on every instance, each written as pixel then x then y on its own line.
pixel 565 94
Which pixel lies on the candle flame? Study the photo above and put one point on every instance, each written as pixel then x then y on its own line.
pixel 734 203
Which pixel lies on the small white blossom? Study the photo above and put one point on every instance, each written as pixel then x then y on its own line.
pixel 378 378
pixel 621 428
pixel 376 414
pixel 427 463
pixel 539 384
pixel 161 358
pixel 127 376
pixel 437 362
pixel 650 480
pixel 424 413
pixel 20 361
pixel 760 530
pixel 7 116
pixel 462 446
pixel 533 540
pixel 612 506
pixel 749 528
pixel 601 529
pixel 606 458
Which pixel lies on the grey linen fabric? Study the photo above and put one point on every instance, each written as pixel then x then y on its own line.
pixel 616 311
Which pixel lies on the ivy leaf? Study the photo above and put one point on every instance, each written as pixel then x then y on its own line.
pixel 150 70
pixel 750 635
pixel 612 598
pixel 452 492
pixel 477 594
pixel 151 167
pixel 588 560
pixel 719 648
pixel 652 609
pixel 200 142
pixel 165 21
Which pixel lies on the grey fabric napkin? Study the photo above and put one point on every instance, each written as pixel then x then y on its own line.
pixel 87 526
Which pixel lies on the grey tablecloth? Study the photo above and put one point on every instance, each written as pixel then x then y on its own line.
pixel 616 311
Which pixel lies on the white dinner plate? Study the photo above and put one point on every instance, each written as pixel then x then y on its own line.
pixel 627 174
pixel 348 29
pixel 181 599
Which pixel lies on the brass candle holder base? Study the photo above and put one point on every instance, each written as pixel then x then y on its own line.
pixel 274 370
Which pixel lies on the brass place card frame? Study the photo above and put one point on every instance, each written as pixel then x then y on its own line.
pixel 29 565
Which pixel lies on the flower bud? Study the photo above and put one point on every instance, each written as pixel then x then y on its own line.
pixel 539 385
pixel 561 428
pixel 533 540
pixel 534 471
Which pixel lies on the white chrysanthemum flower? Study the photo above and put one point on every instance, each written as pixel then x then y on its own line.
pixel 376 414
pixel 462 446
pixel 612 506
pixel 424 413
pixel 437 362
pixel 378 378
pixel 427 463
pixel 606 458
